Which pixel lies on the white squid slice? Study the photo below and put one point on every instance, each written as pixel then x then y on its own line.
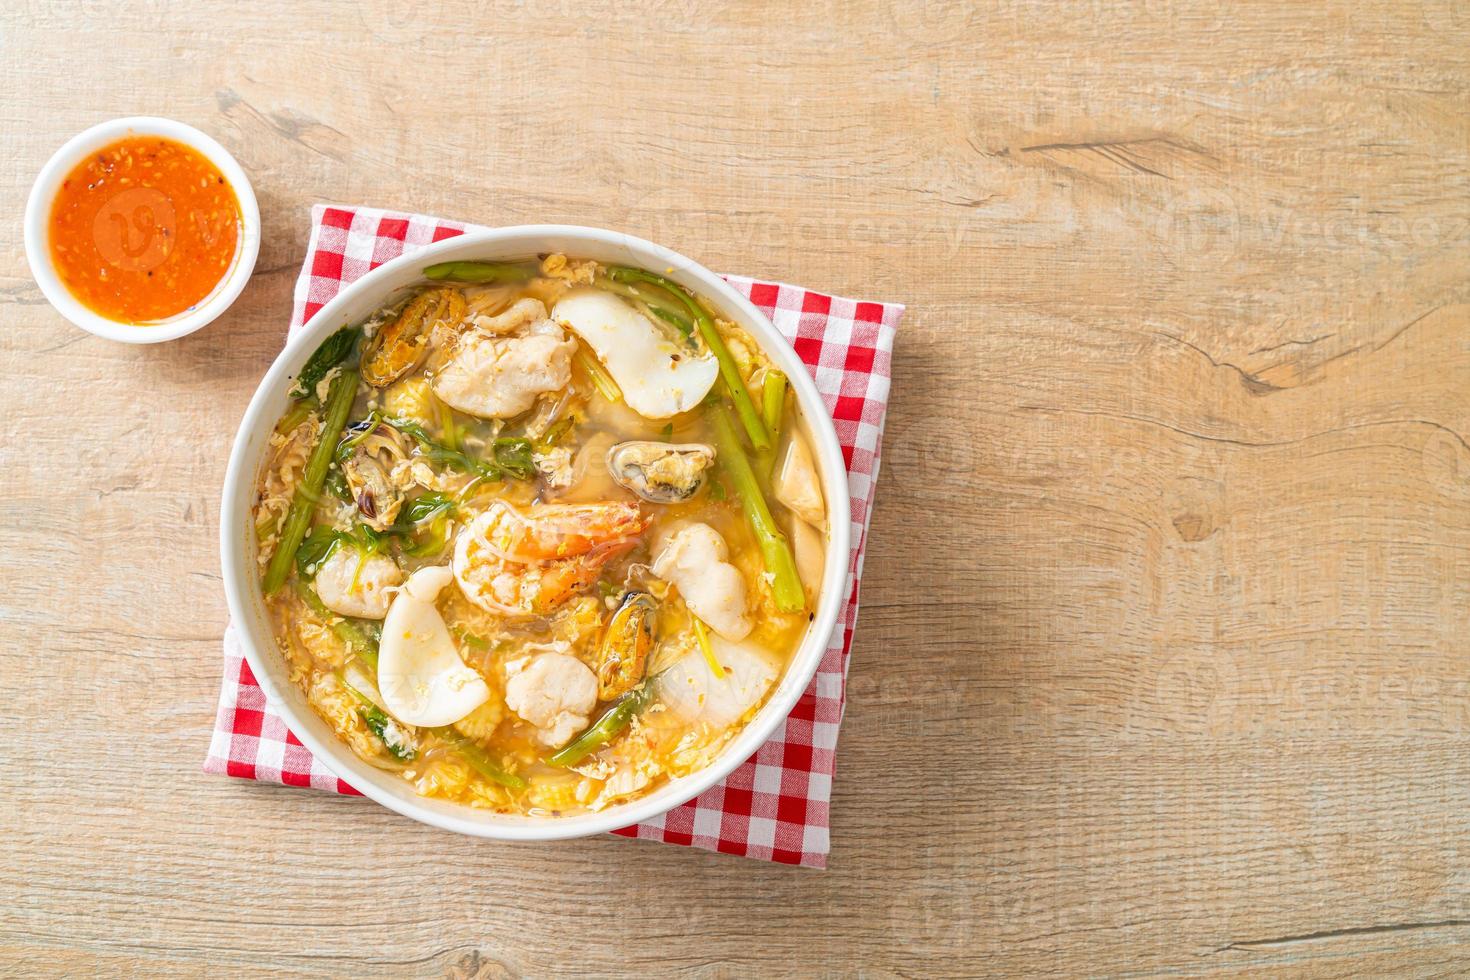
pixel 796 483
pixel 693 693
pixel 810 550
pixel 659 377
pixel 421 677
pixel 363 681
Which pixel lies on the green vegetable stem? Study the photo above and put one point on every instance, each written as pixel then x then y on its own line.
pixel 297 414
pixel 659 301
pixel 479 760
pixel 357 639
pixel 755 429
pixel 773 400
pixel 601 380
pixel 775 550
pixel 500 272
pixel 308 490
pixel 606 728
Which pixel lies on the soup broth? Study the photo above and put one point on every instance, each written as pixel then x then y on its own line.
pixel 540 536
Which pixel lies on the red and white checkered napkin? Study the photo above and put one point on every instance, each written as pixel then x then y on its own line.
pixel 774 806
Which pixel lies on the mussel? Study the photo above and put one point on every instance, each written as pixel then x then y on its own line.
pixel 622 657
pixel 370 451
pixel 401 344
pixel 660 472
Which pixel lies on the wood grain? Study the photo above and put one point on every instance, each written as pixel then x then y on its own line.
pixel 1163 656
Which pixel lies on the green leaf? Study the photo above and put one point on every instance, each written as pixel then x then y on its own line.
pixel 432 540
pixel 323 540
pixel 381 725
pixel 423 524
pixel 408 427
pixel 378 723
pixel 366 539
pixel 424 507
pixel 337 486
pixel 333 351
pixel 514 456
pixel 315 549
pixel 553 435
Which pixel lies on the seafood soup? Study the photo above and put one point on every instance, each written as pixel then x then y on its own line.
pixel 539 536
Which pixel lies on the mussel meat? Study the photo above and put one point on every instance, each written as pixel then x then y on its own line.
pixel 401 345
pixel 376 448
pixel 622 657
pixel 660 472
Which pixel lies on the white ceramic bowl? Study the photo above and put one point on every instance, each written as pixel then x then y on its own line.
pixel 38 243
pixel 353 304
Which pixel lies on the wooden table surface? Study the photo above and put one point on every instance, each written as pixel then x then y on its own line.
pixel 1163 657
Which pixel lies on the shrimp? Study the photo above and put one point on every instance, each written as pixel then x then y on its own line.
pixel 559 530
pixel 527 564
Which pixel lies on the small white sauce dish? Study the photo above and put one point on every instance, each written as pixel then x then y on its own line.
pixel 352 305
pixel 38 245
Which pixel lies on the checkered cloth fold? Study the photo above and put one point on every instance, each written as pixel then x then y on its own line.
pixel 775 805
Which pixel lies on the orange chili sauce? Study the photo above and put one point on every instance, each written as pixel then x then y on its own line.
pixel 143 229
